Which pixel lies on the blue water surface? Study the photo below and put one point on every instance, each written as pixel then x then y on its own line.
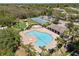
pixel 43 38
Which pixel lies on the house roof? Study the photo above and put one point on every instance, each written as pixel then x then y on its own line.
pixel 60 28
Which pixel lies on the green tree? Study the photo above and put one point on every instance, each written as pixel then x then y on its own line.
pixel 9 41
pixel 72 43
pixel 7 20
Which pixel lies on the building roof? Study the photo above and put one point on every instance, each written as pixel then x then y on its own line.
pixel 1 28
pixel 62 22
pixel 59 9
pixel 60 28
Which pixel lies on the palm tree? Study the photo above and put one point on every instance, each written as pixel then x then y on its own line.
pixel 45 52
pixel 60 47
pixel 29 50
pixel 72 45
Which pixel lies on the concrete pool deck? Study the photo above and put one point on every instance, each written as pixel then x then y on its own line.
pixel 28 40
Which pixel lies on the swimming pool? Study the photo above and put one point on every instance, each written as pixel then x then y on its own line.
pixel 43 38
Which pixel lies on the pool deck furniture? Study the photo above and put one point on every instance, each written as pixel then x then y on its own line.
pixel 27 40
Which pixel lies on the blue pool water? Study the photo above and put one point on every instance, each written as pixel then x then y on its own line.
pixel 43 38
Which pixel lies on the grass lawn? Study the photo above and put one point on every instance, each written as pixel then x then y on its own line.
pixel 22 25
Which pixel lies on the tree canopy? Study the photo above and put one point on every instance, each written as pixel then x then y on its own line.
pixel 9 41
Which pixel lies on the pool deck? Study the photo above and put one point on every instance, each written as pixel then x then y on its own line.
pixel 27 40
